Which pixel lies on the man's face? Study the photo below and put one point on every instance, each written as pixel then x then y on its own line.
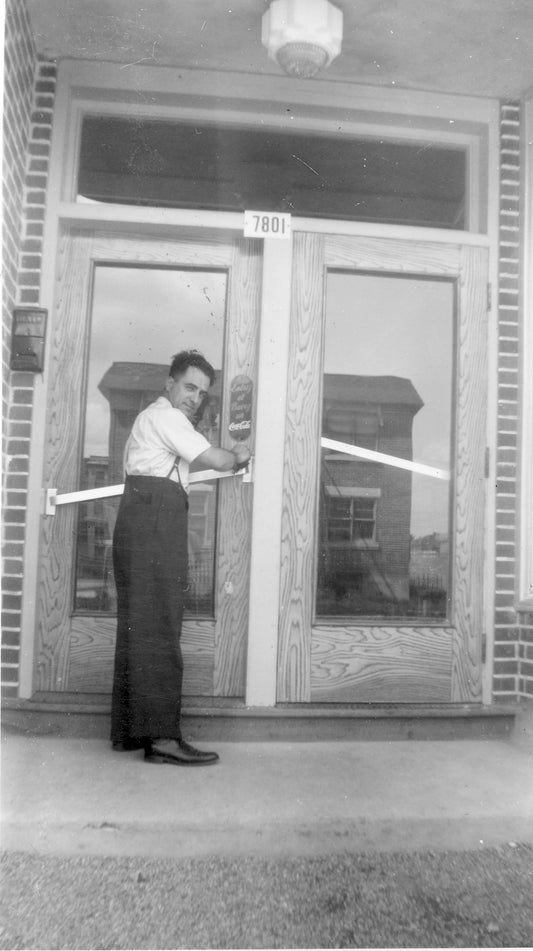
pixel 188 391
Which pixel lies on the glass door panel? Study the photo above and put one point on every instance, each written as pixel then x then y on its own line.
pixel 382 546
pixel 384 531
pixel 142 316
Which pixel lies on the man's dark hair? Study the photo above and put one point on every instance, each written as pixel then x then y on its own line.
pixel 190 358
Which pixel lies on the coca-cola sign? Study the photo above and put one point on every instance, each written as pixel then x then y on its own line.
pixel 240 408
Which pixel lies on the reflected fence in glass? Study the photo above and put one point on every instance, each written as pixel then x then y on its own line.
pixel 141 317
pixel 383 531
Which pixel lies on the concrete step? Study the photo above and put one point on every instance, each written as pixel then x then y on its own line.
pixel 217 720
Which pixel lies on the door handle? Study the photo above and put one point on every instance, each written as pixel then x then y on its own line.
pixel 53 498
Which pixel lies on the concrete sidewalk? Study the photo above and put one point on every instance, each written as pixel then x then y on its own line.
pixel 77 796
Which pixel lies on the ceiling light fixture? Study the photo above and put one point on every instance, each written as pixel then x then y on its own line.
pixel 303 36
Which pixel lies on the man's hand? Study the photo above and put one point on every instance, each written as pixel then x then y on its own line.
pixel 242 457
pixel 223 459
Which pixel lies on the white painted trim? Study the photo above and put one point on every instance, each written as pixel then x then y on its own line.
pixel 359 120
pixel 525 589
pixel 129 216
pixel 493 228
pixel 373 230
pixel 271 89
pixel 261 675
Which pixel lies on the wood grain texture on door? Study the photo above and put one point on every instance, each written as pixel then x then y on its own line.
pixel 300 484
pixel 235 499
pixel 469 533
pixel 405 664
pixel 67 355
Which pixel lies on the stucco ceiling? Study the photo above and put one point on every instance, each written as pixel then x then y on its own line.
pixel 473 47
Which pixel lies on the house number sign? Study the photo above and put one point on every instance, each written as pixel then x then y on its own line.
pixel 267 224
pixel 240 408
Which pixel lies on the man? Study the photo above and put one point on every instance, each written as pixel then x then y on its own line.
pixel 150 561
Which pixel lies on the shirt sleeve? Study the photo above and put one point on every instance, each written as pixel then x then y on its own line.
pixel 178 434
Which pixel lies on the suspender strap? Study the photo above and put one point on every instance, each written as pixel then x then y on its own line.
pixel 175 465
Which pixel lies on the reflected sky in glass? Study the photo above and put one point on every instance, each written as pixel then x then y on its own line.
pixel 146 315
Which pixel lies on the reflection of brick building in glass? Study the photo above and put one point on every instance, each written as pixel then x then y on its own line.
pixel 94 538
pixel 365 507
pixel 94 475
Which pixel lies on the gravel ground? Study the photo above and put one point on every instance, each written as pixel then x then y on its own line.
pixel 450 899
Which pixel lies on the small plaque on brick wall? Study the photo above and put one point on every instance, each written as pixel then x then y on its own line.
pixel 27 340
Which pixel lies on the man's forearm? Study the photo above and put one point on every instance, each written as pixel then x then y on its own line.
pixel 223 459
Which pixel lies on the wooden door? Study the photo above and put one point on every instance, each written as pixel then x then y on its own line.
pixel 76 633
pixel 334 646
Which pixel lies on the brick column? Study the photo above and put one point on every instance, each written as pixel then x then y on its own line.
pixel 505 682
pixel 28 109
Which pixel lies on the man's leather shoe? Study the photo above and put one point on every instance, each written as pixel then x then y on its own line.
pixel 178 753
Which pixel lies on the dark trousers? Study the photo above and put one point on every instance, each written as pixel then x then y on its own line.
pixel 150 564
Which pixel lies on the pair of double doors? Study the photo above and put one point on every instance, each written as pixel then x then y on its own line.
pixel 381 568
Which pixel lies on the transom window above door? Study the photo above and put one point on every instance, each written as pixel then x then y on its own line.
pixel 223 168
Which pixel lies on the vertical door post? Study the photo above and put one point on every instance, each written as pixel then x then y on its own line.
pixel 268 474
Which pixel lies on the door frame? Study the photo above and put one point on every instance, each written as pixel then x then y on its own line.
pixel 448 654
pixel 214 650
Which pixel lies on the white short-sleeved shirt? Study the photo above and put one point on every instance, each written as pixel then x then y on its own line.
pixel 159 434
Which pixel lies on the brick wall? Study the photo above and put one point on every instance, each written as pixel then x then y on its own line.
pixel 506 659
pixel 525 654
pixel 28 105
pixel 19 65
